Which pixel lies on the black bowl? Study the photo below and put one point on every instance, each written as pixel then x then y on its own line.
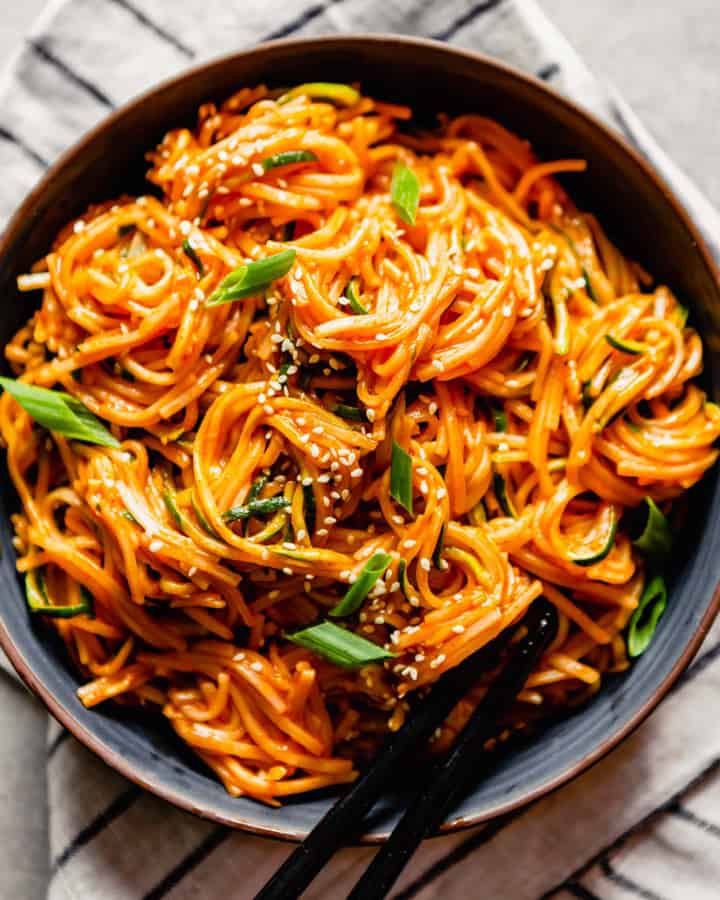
pixel 640 214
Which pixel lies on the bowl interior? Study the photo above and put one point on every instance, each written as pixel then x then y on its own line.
pixel 641 218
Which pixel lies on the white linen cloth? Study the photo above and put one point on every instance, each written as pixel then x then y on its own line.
pixel 643 823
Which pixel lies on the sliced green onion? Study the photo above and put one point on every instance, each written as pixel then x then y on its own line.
pixel 524 361
pixel 339 646
pixel 192 255
pixel 656 539
pixel 256 508
pixel 644 620
pixel 126 514
pixel 59 412
pixel 204 524
pixel 353 413
pixel 351 292
pixel 39 602
pixel 589 285
pixel 340 94
pixel 273 528
pixel 634 348
pixel 254 492
pixel 438 551
pixel 358 591
pixel 253 278
pixel 500 419
pixel 682 314
pixel 172 507
pixel 605 549
pixel 478 514
pixel 289 158
pixel 587 397
pixel 309 508
pixel 405 193
pixel 401 468
pixel 502 496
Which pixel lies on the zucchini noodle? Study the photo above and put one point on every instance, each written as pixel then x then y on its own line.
pixel 469 354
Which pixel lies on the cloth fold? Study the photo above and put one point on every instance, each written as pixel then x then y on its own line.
pixel 646 820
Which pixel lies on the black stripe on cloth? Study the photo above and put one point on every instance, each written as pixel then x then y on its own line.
pixel 26 149
pixel 49 57
pixel 189 862
pixel 307 16
pixel 627 883
pixel 687 815
pixel 671 803
pixel 547 72
pixel 580 891
pixel 465 19
pixel 459 853
pixel 57 743
pixel 155 28
pixel 119 805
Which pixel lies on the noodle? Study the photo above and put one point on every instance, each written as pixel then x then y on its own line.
pixel 484 353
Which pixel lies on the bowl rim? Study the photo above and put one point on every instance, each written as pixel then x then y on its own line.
pixel 176 796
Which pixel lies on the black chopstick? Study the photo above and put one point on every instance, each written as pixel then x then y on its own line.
pixel 452 777
pixel 345 819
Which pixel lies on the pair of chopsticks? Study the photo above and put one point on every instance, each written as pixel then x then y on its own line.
pixel 449 780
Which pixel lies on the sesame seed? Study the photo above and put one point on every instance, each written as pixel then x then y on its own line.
pixel 306 482
pixel 330 520
pixel 301 535
pixel 409 544
pixel 321 532
pixel 440 493
pixel 356 473
pixel 155 546
pixel 191 571
pixel 425 563
pixel 458 629
pixel 268 410
pixel 287 570
pixel 256 666
pixel 370 413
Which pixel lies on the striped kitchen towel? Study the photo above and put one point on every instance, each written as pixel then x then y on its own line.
pixel 646 821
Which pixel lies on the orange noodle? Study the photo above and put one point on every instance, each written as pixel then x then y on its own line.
pixel 482 353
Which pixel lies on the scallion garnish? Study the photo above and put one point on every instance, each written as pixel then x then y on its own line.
pixel 172 507
pixel 340 94
pixel 351 292
pixel 439 545
pixel 656 537
pixel 59 412
pixel 309 508
pixel 500 419
pixel 339 646
pixel 358 591
pixel 126 514
pixel 604 550
pixel 192 255
pixel 502 496
pixel 405 193
pixel 401 471
pixel 644 620
pixel 39 602
pixel 353 413
pixel 252 279
pixel 256 508
pixel 634 348
pixel 204 524
pixel 289 158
